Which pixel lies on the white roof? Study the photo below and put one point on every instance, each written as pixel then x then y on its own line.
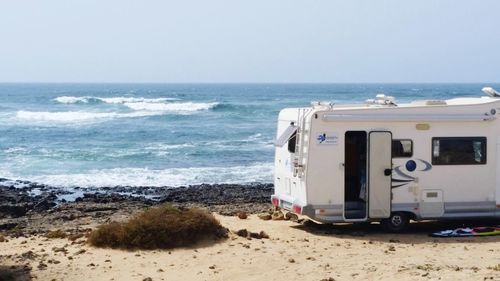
pixel 423 103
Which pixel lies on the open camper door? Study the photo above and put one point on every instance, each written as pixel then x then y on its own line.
pixel 379 174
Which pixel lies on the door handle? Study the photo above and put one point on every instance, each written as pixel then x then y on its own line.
pixel 387 172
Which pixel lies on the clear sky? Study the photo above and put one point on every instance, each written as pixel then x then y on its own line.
pixel 249 41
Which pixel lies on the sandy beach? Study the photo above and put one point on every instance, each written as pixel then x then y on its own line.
pixel 293 251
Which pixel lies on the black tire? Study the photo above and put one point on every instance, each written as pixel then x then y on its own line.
pixel 397 222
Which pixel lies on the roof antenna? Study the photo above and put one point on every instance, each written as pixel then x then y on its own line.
pixel 491 92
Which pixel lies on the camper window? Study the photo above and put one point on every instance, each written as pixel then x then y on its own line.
pixel 459 151
pixel 402 148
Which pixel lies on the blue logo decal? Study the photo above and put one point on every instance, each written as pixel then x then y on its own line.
pixel 321 138
pixel 411 165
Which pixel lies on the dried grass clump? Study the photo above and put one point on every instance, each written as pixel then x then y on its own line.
pixel 495 268
pixel 159 228
pixel 15 273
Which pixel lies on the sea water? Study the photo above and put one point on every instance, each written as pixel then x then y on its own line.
pixel 105 135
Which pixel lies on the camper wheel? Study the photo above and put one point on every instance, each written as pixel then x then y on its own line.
pixel 397 222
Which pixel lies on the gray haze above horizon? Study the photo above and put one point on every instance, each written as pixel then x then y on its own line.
pixel 250 41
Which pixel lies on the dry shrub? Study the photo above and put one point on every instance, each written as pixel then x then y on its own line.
pixel 158 228
pixel 108 235
pixel 56 234
pixel 2 238
pixel 15 273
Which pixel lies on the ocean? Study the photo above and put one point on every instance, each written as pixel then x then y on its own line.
pixel 107 135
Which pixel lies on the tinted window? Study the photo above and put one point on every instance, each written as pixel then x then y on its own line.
pixel 402 148
pixel 459 151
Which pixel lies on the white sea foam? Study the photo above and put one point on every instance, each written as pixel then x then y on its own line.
pixel 67 99
pixel 14 150
pixel 260 172
pixel 118 100
pixel 141 109
pixel 255 141
pixel 77 116
pixel 13 183
pixel 110 100
pixel 162 146
pixel 176 107
pixel 160 149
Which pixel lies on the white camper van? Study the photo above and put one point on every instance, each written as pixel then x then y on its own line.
pixel 388 162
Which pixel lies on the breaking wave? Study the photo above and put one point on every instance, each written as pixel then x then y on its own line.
pixel 136 177
pixel 77 116
pixel 140 109
pixel 176 107
pixel 111 100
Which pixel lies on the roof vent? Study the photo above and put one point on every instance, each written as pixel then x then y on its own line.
pixel 381 99
pixel 319 104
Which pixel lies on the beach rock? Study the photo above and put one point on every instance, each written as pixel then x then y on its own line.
pixel 278 216
pixel 53 261
pixel 13 211
pixel 254 235
pixel 59 249
pixel 45 202
pixel 8 225
pixel 242 233
pixel 265 216
pixel 220 193
pixel 2 238
pixel 291 216
pixel 29 255
pixel 79 252
pixel 242 215
pixel 263 235
pixel 42 266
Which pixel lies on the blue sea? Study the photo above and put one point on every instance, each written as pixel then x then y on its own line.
pixel 105 135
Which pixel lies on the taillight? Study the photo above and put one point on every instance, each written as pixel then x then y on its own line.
pixel 297 209
pixel 275 201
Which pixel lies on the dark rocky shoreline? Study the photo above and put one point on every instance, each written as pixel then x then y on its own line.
pixel 31 208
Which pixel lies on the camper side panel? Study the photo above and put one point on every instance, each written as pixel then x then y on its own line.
pixel 288 187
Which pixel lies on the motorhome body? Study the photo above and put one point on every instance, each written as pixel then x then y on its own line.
pixel 380 161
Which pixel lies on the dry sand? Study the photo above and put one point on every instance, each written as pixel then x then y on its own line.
pixel 293 252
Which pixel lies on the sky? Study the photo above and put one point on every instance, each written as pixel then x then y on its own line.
pixel 231 41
